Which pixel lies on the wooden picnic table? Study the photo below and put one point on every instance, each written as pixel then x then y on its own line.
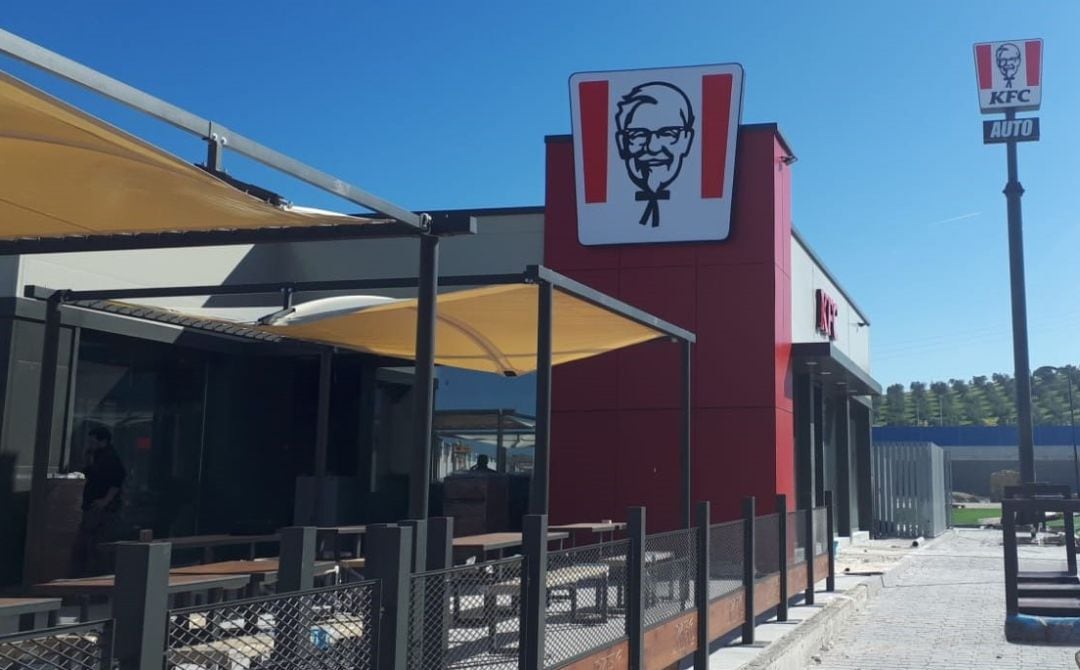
pixel 30 613
pixel 256 572
pixel 84 588
pixel 597 528
pixel 498 542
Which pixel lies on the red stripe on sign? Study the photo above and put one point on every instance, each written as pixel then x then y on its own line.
pixel 1033 58
pixel 593 105
pixel 715 119
pixel 984 65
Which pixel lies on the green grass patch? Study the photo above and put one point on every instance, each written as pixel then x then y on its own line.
pixel 970 517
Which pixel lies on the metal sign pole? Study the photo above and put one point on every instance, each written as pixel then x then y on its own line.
pixel 1013 192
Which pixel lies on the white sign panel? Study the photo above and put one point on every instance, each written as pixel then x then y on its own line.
pixel 1009 75
pixel 654 153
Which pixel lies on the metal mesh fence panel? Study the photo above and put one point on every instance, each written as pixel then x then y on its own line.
pixel 725 558
pixel 334 627
pixel 670 562
pixel 821 532
pixel 467 616
pixel 80 647
pixel 767 545
pixel 797 528
pixel 586 596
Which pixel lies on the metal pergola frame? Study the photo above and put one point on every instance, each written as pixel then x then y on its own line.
pixel 547 281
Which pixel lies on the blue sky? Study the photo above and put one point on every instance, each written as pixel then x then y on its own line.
pixel 445 104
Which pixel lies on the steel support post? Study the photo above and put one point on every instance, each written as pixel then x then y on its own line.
pixel 141 604
pixel 701 586
pixel 296 571
pixel 389 553
pixel 534 611
pixel 635 588
pixel 830 545
pixel 424 378
pixel 1070 542
pixel 1022 368
pixel 687 422
pixel 808 595
pixel 749 570
pixel 50 353
pixel 440 555
pixel 538 497
pixel 1012 568
pixel 782 532
pixel 322 436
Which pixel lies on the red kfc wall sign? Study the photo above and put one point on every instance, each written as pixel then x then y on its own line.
pixel 827 311
pixel 1009 75
pixel 654 153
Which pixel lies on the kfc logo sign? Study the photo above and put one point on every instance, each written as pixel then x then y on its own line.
pixel 827 311
pixel 654 153
pixel 1010 75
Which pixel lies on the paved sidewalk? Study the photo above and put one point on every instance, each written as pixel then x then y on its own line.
pixel 944 610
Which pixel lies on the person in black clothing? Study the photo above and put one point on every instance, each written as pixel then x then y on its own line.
pixel 101 500
pixel 481 464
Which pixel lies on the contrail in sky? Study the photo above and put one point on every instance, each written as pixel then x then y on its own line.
pixel 969 215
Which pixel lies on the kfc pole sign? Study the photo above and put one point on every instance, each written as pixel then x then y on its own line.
pixel 1009 75
pixel 654 153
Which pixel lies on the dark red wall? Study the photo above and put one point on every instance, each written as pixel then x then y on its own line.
pixel 615 431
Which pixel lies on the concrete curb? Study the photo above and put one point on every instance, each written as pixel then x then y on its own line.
pixel 795 649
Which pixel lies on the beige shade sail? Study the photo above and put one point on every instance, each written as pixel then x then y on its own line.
pixel 65 173
pixel 489 329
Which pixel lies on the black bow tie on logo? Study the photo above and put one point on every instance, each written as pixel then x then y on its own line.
pixel 652 209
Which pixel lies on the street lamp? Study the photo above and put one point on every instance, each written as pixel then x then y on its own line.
pixel 1072 421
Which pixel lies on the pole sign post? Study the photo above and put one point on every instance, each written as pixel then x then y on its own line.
pixel 1009 75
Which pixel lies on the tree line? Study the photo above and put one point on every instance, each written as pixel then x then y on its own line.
pixel 980 401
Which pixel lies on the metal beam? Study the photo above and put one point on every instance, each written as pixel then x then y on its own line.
pixel 538 497
pixel 539 273
pixel 424 384
pixel 102 84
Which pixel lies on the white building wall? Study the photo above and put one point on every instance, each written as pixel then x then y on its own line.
pixel 852 327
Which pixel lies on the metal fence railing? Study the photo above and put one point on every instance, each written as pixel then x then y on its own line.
pixel 586 596
pixel 85 646
pixel 670 563
pixel 797 529
pixel 821 533
pixel 467 616
pixel 334 627
pixel 767 545
pixel 725 558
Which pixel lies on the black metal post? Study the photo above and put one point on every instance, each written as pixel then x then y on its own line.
pixel 687 422
pixel 1022 369
pixel 141 604
pixel 1070 542
pixel 296 570
pixel 538 496
pixel 782 531
pixel 1072 427
pixel 1012 569
pixel 701 586
pixel 635 588
pixel 809 550
pixel 50 353
pixel 322 436
pixel 749 616
pixel 830 545
pixel 500 452
pixel 424 379
pixel 419 532
pixel 389 552
pixel 440 555
pixel 534 611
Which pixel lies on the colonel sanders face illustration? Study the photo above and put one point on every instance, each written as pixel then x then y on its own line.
pixel 655 130
pixel 1008 62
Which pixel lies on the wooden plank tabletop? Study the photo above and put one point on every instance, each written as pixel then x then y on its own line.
pixel 493 541
pixel 203 541
pixel 597 527
pixel 20 606
pixel 344 530
pixel 257 567
pixel 106 583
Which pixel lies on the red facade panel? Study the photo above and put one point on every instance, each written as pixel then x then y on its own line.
pixel 735 295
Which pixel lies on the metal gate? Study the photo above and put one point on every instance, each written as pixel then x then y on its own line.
pixel 912 489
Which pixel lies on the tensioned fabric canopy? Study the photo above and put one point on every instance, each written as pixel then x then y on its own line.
pixel 488 329
pixel 66 173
